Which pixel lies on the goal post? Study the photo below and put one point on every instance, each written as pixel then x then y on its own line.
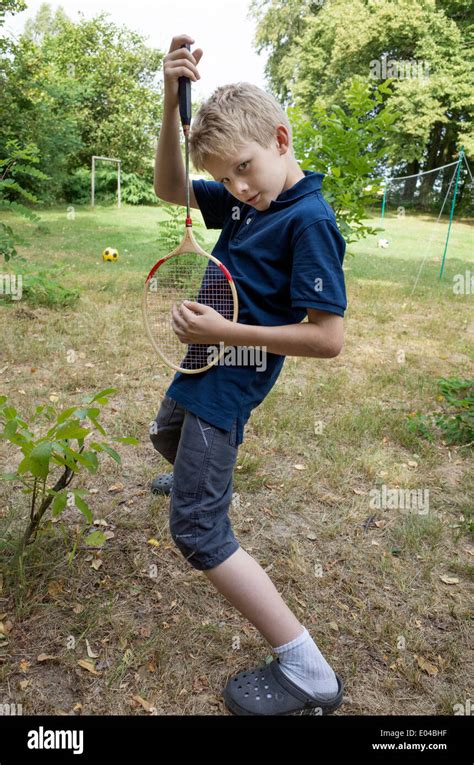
pixel 105 159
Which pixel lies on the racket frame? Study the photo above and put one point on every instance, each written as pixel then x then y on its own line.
pixel 191 246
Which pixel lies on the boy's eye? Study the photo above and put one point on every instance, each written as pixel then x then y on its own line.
pixel 247 162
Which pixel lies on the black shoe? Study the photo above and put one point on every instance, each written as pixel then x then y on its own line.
pixel 162 484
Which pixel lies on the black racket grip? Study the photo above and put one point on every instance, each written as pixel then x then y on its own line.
pixel 184 95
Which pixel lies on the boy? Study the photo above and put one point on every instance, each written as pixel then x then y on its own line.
pixel 282 246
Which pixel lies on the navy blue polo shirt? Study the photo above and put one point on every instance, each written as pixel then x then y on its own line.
pixel 283 260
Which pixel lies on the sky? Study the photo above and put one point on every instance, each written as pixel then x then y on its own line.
pixel 220 27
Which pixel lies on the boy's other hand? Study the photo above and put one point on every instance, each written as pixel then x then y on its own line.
pixel 179 62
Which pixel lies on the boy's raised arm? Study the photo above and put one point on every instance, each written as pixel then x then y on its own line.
pixel 170 175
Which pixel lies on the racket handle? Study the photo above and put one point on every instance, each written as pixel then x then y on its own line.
pixel 184 95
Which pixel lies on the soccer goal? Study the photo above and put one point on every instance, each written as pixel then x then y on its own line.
pixel 105 159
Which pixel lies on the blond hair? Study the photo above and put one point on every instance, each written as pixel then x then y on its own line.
pixel 232 116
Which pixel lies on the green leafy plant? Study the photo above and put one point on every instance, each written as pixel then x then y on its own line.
pixel 456 420
pixel 137 190
pixel 171 231
pixel 15 165
pixel 347 144
pixel 63 445
pixel 40 289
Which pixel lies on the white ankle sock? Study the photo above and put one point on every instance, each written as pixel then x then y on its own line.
pixel 303 663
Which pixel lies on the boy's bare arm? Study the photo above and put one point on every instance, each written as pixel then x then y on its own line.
pixel 170 175
pixel 321 337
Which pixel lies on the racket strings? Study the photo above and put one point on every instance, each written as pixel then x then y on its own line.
pixel 187 276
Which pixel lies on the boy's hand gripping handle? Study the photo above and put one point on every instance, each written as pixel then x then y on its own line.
pixel 184 95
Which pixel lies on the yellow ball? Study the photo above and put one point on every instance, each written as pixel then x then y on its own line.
pixel 110 254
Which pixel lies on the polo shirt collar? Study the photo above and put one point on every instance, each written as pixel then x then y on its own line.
pixel 310 183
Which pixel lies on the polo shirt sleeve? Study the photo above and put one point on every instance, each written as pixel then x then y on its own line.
pixel 317 277
pixel 215 202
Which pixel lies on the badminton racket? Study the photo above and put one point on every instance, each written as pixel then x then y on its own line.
pixel 186 273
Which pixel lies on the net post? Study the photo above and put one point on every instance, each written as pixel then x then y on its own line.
pixel 384 199
pixel 451 214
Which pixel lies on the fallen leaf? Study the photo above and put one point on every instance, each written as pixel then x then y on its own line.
pixel 88 665
pixel 45 657
pixel 147 705
pixel 96 564
pixel 90 652
pixel 300 467
pixel 200 683
pixel 54 588
pixel 426 666
pixel 116 487
pixel 449 579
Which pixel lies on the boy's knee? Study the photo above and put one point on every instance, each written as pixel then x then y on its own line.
pixel 203 538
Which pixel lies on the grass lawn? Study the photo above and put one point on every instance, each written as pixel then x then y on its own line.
pixel 370 584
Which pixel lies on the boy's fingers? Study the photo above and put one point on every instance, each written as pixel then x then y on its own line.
pixel 180 40
pixel 185 54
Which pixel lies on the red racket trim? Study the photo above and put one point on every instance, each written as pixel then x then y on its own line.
pixel 226 272
pixel 157 265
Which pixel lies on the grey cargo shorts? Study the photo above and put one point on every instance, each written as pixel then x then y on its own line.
pixel 203 458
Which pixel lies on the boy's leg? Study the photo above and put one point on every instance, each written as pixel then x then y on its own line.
pixel 249 588
pixel 202 493
pixel 245 584
pixel 201 529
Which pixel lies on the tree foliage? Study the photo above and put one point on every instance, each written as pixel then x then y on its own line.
pixel 78 89
pixel 316 49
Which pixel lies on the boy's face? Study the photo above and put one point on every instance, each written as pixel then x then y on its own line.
pixel 254 171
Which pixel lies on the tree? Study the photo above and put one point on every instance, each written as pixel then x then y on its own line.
pixel 318 48
pixel 77 89
pixel 8 6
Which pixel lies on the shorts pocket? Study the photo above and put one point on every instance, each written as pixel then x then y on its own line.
pixel 189 468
